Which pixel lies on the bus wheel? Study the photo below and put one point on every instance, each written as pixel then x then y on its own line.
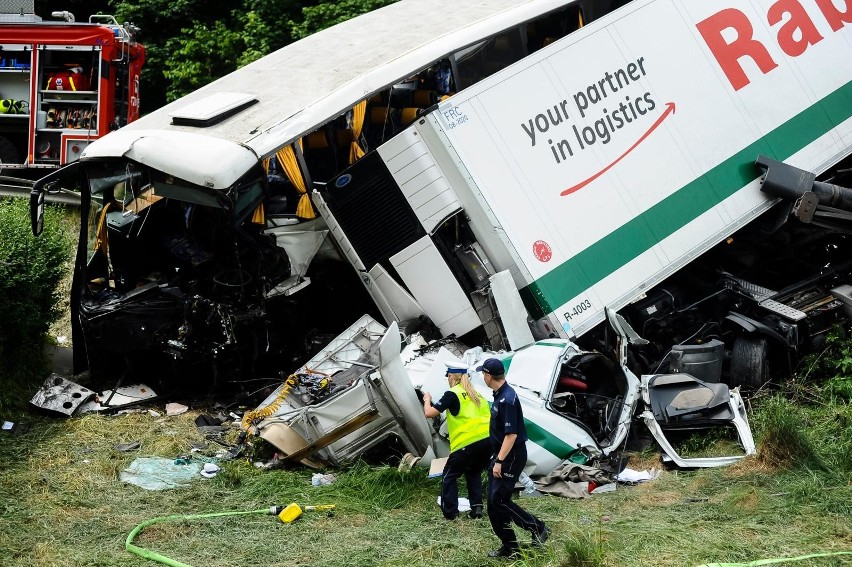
pixel 8 152
pixel 750 362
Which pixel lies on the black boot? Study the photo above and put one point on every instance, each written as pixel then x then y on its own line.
pixel 505 551
pixel 475 511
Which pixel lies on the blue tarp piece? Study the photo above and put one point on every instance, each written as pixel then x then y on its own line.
pixel 156 473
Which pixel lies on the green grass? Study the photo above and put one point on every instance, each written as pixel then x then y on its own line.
pixel 62 504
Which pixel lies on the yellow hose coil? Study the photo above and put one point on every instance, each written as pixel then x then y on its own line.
pixel 253 416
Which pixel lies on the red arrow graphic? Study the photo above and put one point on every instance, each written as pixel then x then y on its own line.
pixel 670 108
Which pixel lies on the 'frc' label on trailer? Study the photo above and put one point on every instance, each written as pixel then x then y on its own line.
pixel 629 147
pixel 453 116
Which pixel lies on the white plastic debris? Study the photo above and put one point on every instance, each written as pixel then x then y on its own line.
pixel 630 475
pixel 210 470
pixel 173 408
pixel 319 479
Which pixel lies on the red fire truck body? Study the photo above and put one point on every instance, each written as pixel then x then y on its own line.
pixel 62 86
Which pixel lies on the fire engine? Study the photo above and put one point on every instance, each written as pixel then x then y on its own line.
pixel 63 84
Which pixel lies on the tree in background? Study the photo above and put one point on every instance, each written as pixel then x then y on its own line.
pixel 327 14
pixel 190 43
pixel 200 55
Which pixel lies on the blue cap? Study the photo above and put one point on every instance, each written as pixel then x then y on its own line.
pixel 455 367
pixel 493 366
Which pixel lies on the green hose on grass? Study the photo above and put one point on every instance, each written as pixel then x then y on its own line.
pixel 154 556
pixel 777 560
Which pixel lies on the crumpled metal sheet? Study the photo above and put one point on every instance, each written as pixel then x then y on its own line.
pixel 120 397
pixel 61 395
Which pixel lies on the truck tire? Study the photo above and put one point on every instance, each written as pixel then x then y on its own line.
pixel 8 152
pixel 750 362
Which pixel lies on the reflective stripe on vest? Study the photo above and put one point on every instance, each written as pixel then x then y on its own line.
pixel 471 423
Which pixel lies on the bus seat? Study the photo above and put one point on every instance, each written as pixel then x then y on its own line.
pixel 424 98
pixel 408 115
pixel 316 140
pixel 381 114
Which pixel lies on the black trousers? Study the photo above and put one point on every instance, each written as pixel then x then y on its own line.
pixel 470 461
pixel 502 510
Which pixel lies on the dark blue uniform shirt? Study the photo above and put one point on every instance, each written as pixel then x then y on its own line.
pixel 506 417
pixel 449 401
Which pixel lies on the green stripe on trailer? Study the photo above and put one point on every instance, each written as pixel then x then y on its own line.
pixel 548 441
pixel 557 344
pixel 646 230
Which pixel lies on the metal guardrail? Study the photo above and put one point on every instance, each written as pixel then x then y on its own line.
pixel 15 187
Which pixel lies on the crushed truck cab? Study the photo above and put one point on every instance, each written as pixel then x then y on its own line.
pixel 573 400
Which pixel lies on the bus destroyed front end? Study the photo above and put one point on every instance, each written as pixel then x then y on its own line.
pixel 175 276
pixel 193 277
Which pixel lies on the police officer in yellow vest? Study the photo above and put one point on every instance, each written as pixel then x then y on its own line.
pixel 468 418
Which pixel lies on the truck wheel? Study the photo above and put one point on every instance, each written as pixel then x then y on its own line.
pixel 8 152
pixel 750 362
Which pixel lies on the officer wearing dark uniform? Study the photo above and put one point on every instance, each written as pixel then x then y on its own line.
pixel 508 441
pixel 468 417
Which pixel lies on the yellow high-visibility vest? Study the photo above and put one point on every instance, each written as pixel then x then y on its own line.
pixel 471 423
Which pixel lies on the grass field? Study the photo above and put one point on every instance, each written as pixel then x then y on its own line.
pixel 62 504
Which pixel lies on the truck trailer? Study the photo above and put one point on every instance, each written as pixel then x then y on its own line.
pixel 608 163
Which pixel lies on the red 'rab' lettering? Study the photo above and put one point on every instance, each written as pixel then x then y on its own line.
pixel 835 18
pixel 799 20
pixel 793 37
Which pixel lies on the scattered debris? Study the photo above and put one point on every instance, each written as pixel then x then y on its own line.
pixel 205 420
pixel 173 408
pixel 529 489
pixel 127 447
pixel 210 470
pixel 635 477
pixel 120 397
pixel 157 473
pixel 69 398
pixel 319 479
pixel 16 428
pixel 572 480
pixel 61 395
pixel 464 504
